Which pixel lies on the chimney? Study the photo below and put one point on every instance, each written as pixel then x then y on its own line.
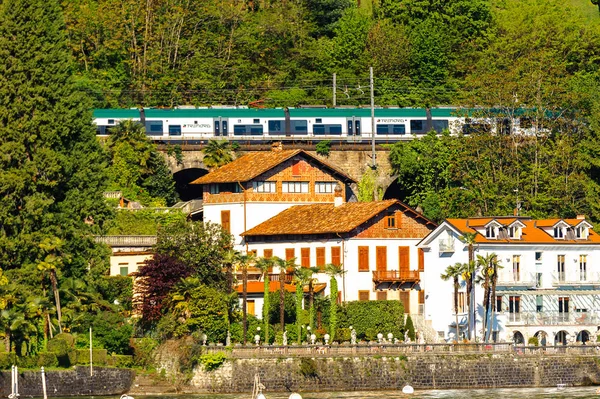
pixel 580 217
pixel 277 146
pixel 338 198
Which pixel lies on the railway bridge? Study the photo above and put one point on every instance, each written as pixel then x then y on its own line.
pixel 354 159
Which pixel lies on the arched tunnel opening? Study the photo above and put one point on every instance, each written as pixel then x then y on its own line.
pixel 394 191
pixel 183 178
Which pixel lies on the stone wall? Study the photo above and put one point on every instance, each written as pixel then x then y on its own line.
pixel 380 373
pixel 76 382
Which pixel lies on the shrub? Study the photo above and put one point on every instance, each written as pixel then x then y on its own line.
pixel 323 148
pixel 60 345
pixel 343 335
pixel 308 368
pixel 212 361
pixel 381 316
pixel 121 361
pixel 47 359
pixel 7 360
pixel 409 328
pixel 68 338
pixel 99 356
pixel 143 351
pixel 533 341
pixel 27 362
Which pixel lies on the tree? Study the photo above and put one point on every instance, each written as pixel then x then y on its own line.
pixel 154 281
pixel 301 278
pixel 489 276
pixel 52 168
pixel 284 266
pixel 333 271
pixel 454 272
pixel 201 246
pixel 217 153
pixel 265 265
pixel 469 273
pixel 52 261
pixel 409 328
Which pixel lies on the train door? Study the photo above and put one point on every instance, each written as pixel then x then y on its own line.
pixel 354 128
pixel 224 129
pixel 217 129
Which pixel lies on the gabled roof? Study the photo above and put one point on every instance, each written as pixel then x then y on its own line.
pixel 532 231
pixel 254 164
pixel 325 218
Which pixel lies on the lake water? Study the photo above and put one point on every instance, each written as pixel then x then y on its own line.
pixel 517 393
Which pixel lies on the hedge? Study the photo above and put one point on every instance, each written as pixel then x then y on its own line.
pixel 370 318
pixel 121 361
pixel 99 356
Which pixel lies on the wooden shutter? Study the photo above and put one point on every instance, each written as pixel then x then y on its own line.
pixel 250 309
pixel 421 297
pixel 321 257
pixel 225 221
pixel 305 257
pixel 336 257
pixel 363 259
pixel 381 253
pixel 289 253
pixel 421 259
pixel 363 295
pixel 268 253
pixel 404 259
pixel 405 299
pixel 398 215
pixel 382 295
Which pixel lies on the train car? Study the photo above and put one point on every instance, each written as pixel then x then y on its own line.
pixel 297 124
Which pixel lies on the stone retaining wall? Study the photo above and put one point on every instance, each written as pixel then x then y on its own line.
pixel 380 373
pixel 76 382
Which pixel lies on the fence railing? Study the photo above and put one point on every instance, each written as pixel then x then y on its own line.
pixel 267 351
pixel 552 318
pixel 127 241
pixel 396 275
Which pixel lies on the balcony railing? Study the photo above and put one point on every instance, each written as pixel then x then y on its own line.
pixel 551 318
pixel 395 276
pixel 577 277
pixel 512 278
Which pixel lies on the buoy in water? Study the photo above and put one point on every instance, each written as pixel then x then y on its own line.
pixel 295 396
pixel 408 389
pixel 125 396
pixel 260 396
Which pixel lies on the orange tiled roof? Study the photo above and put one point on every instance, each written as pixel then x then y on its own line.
pixel 254 164
pixel 258 287
pixel 531 233
pixel 320 218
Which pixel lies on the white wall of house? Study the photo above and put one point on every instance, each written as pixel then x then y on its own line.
pixel 533 259
pixel 124 264
pixel 353 280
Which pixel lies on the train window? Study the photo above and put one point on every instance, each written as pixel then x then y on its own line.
pixel 100 129
pixel 526 123
pixel 175 130
pixel 349 127
pixel 241 130
pixel 256 121
pixel 327 129
pixel 440 125
pixel 357 126
pixel 224 123
pixel 154 128
pixel 319 120
pixel 418 126
pixel 111 121
pixel 470 128
pixel 299 127
pixel 275 127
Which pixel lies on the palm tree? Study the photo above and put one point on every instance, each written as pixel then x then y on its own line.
pixel 265 264
pixel 469 276
pixel 243 261
pixel 454 272
pixel 333 271
pixel 52 261
pixel 284 266
pixel 489 276
pixel 217 153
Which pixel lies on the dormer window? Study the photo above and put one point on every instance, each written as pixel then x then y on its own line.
pixel 491 232
pixel 559 232
pixel 581 232
pixel 512 232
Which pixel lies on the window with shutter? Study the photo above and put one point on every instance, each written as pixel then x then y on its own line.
pixel 421 259
pixel 421 297
pixel 336 257
pixel 321 257
pixel 382 295
pixel 268 253
pixel 405 299
pixel 363 259
pixel 225 221
pixel 363 295
pixel 251 307
pixel 381 253
pixel 404 259
pixel 289 253
pixel 305 257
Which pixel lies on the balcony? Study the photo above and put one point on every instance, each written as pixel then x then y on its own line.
pixel 575 278
pixel 551 318
pixel 517 278
pixel 126 241
pixel 396 276
pixel 446 245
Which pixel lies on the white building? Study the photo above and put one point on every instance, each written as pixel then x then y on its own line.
pixel 548 281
